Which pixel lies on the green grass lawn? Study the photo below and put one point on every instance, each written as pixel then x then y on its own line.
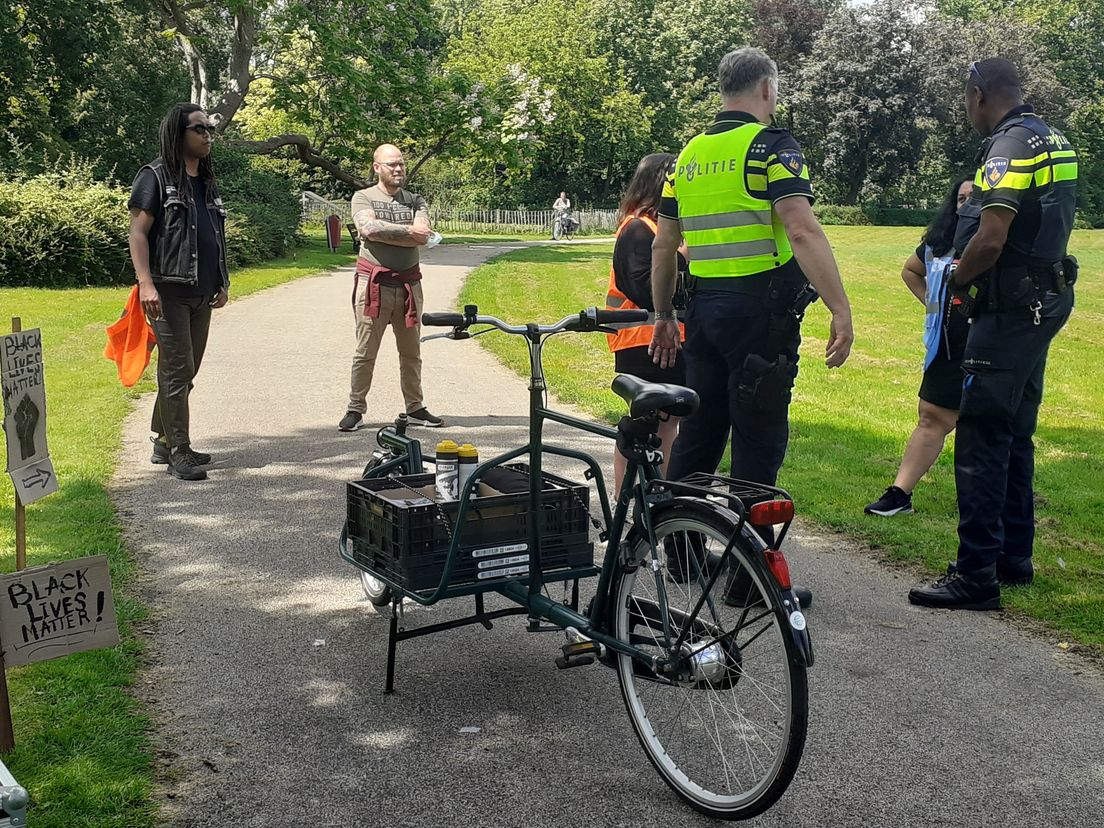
pixel 849 426
pixel 82 748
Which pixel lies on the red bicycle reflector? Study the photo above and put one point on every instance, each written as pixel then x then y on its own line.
pixel 770 512
pixel 778 567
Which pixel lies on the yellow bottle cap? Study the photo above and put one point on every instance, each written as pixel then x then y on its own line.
pixel 468 450
pixel 447 446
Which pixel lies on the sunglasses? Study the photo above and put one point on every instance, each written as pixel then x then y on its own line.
pixel 975 70
pixel 202 129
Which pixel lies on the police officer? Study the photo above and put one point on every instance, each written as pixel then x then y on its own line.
pixel 1016 279
pixel 740 197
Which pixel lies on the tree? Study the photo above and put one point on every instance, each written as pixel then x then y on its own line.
pixel 343 75
pixel 787 29
pixel 855 103
pixel 80 77
pixel 1071 36
pixel 568 117
pixel 879 103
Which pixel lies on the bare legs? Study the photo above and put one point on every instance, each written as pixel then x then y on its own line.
pixel 925 444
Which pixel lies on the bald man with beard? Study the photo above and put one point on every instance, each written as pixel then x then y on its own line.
pixel 393 224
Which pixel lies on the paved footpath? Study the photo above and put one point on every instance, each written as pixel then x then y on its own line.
pixel 266 662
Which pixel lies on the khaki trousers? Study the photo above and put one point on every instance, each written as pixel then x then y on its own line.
pixel 369 334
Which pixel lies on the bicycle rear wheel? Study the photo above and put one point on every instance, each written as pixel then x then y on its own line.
pixel 726 728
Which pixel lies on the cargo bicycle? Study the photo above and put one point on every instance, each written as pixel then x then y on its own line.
pixel 693 607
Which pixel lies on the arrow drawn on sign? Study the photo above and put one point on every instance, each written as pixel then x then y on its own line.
pixel 40 478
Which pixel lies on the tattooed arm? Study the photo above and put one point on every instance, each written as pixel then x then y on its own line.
pixel 378 230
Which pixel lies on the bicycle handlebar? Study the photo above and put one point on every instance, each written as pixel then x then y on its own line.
pixel 606 317
pixel 449 320
pixel 590 319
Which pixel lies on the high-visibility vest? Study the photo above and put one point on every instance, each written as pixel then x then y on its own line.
pixel 730 231
pixel 630 334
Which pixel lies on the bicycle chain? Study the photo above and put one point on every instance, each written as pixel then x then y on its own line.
pixel 441 514
pixel 597 524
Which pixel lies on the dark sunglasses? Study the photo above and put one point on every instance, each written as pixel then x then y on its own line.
pixel 202 129
pixel 975 70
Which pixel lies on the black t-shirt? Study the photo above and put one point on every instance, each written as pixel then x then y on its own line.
pixel 632 263
pixel 145 194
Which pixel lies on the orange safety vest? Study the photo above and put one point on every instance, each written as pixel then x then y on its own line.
pixel 631 334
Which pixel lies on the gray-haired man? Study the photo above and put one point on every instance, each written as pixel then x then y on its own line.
pixel 740 197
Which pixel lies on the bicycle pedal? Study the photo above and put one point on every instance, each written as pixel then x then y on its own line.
pixel 566 662
pixel 579 648
pixel 535 626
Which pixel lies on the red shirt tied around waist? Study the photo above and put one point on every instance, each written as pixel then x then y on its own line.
pixel 377 275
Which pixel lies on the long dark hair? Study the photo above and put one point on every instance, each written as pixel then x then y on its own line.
pixel 941 232
pixel 172 147
pixel 646 186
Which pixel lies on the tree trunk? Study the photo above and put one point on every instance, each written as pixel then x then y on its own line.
pixel 177 19
pixel 239 69
pixel 854 188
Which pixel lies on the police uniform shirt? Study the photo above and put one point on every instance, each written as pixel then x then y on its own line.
pixel 774 168
pixel 1030 168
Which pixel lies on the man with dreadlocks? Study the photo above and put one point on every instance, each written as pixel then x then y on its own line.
pixel 178 247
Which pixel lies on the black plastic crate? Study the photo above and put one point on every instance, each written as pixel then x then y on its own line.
pixel 398 530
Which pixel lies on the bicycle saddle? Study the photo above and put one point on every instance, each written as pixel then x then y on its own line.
pixel 646 397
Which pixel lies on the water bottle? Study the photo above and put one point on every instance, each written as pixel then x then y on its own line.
pixel 434 239
pixel 469 459
pixel 448 471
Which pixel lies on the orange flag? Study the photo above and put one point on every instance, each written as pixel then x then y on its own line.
pixel 130 341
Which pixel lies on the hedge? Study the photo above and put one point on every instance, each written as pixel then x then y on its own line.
pixel 65 229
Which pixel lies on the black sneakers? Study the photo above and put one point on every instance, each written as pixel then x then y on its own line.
pixel 184 464
pixel 422 417
pixel 160 455
pixel 351 421
pixel 958 590
pixel 895 501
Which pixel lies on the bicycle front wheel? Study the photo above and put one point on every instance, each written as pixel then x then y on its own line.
pixel 726 727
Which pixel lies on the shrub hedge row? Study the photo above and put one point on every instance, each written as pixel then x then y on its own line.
pixel 65 229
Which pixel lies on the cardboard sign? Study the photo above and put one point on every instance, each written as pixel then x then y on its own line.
pixel 24 391
pixel 52 611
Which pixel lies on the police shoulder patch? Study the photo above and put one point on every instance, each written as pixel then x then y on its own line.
pixel 995 168
pixel 792 160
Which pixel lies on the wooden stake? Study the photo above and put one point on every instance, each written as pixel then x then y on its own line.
pixel 20 510
pixel 7 733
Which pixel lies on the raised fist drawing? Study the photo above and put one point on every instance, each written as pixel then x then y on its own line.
pixel 26 420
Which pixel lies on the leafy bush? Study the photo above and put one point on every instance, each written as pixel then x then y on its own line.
pixel 63 228
pixel 263 205
pixel 901 216
pixel 837 214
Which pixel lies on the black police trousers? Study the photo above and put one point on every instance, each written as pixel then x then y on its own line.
pixel 1004 362
pixel 722 329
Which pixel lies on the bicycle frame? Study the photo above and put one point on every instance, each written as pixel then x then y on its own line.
pixel 639 478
